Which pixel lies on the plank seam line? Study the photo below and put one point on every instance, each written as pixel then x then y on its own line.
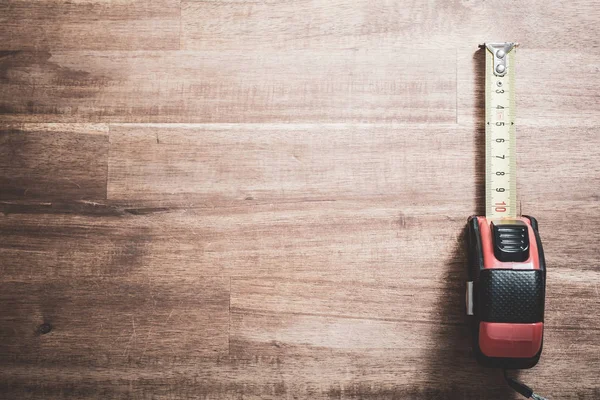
pixel 229 324
pixel 107 162
pixel 286 125
pixel 456 87
pixel 180 24
pixel 338 316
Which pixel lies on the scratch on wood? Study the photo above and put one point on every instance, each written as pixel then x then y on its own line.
pixel 146 343
pixel 73 182
pixel 132 337
pixel 170 314
pixel 91 203
pixel 146 210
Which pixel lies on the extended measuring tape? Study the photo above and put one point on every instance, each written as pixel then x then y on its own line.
pixel 507 270
pixel 500 153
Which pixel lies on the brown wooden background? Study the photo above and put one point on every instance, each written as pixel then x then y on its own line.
pixel 265 199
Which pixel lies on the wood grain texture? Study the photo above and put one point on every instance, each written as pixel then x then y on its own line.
pixel 438 24
pixel 105 322
pixel 267 200
pixel 325 376
pixel 371 85
pixel 89 24
pixel 282 162
pixel 53 161
pixel 571 173
pixel 361 278
pixel 298 239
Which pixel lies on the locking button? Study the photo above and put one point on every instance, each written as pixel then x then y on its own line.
pixel 511 240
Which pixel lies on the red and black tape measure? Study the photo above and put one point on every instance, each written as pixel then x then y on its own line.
pixel 507 269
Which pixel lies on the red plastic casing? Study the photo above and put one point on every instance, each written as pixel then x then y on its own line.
pixel 509 340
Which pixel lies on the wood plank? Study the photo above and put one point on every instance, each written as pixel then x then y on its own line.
pixel 218 164
pixel 359 85
pixel 113 322
pixel 53 161
pixel 323 376
pixel 305 239
pixel 89 24
pixel 403 299
pixel 296 317
pixel 558 93
pixel 310 24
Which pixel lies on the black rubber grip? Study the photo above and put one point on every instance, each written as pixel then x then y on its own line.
pixel 507 295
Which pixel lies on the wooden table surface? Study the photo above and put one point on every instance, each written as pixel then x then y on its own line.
pixel 266 199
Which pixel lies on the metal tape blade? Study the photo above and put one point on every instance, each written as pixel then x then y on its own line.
pixel 500 157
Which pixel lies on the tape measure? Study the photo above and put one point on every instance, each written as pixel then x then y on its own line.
pixel 505 293
pixel 500 112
